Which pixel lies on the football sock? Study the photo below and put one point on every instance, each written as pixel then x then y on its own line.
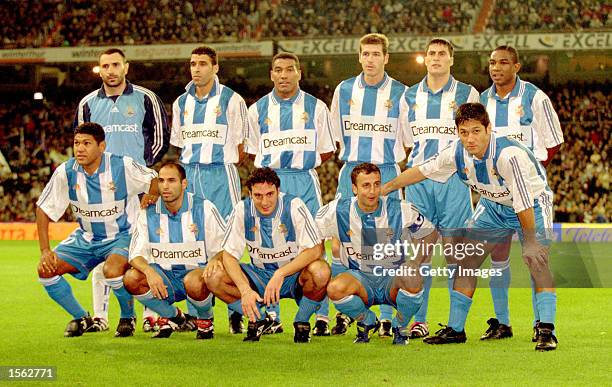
pixel 101 293
pixel 547 306
pixel 126 301
pixel 354 307
pixel 60 291
pixel 421 314
pixel 459 308
pixel 407 305
pixel 307 308
pixel 203 309
pixel 499 286
pixel 323 312
pixel 162 307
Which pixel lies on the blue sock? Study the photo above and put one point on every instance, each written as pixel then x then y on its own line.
pixel 354 307
pixel 421 314
pixel 547 306
pixel 459 308
pixel 60 291
pixel 500 287
pixel 386 312
pixel 451 279
pixel 534 303
pixel 191 310
pixel 407 305
pixel 274 311
pixel 202 309
pixel 161 307
pixel 323 312
pixel 306 309
pixel 126 301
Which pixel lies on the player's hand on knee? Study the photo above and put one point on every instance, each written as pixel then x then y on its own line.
pixel 249 299
pixel 157 286
pixel 535 255
pixel 48 261
pixel 214 266
pixel 272 293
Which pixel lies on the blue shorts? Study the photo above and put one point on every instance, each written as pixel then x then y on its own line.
pixel 259 279
pixel 495 222
pixel 337 269
pixel 388 172
pixel 85 256
pixel 377 287
pixel 447 205
pixel 173 279
pixel 219 183
pixel 304 184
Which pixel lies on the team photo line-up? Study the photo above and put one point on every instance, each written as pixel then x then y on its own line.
pixel 179 233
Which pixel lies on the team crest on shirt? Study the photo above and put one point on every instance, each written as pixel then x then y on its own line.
pixel 282 229
pixel 130 112
pixel 254 229
pixel 452 105
pixel 305 117
pixel 77 187
pixel 494 173
pixel 349 233
pixel 193 228
pixel 466 171
pixel 519 111
pixel 111 186
pixel 415 106
pixel 389 104
pixel 268 121
pixel 159 231
pixel 185 113
pixel 218 110
pixel 350 102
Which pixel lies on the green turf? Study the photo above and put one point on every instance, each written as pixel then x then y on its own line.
pixel 32 328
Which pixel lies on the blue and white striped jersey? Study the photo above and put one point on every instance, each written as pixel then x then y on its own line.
pixel 104 203
pixel 210 129
pixel 525 115
pixel 289 133
pixel 275 240
pixel 428 117
pixel 394 220
pixel 508 174
pixel 135 123
pixel 365 120
pixel 190 237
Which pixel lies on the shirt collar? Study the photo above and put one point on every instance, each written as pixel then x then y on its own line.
pixel 491 149
pixel 445 88
pixel 129 89
pixel 276 99
pixel 376 212
pixel 515 90
pixel 184 206
pixel 101 168
pixel 380 85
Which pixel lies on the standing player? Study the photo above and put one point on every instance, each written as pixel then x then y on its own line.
pixel 360 281
pixel 135 122
pixel 98 187
pixel 428 122
pixel 209 121
pixel 520 111
pixel 173 241
pixel 285 249
pixel 290 132
pixel 365 115
pixel 514 198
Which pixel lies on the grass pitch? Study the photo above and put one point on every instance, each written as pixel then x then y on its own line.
pixel 32 335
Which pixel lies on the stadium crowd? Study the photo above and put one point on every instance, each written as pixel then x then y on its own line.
pixel 38 139
pixel 53 23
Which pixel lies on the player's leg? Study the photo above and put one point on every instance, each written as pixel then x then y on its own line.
pixel 115 266
pixel 351 296
pixel 201 299
pixel 312 282
pixel 499 326
pixel 321 327
pixel 73 257
pixel 100 297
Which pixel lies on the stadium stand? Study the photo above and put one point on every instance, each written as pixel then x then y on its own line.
pixel 38 140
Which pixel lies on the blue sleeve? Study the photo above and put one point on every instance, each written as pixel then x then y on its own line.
pixel 86 114
pixel 155 130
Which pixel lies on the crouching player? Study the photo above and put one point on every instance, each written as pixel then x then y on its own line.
pixel 285 249
pixel 176 243
pixel 514 197
pixel 364 279
pixel 102 191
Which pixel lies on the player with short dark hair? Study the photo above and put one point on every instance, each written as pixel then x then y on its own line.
pixel 284 247
pixel 100 188
pixel 514 197
pixel 135 123
pixel 176 244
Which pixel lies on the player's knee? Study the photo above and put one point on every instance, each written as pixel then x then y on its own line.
pixel 195 285
pixel 42 273
pixel 337 289
pixel 320 273
pixel 134 282
pixel 216 281
pixel 115 266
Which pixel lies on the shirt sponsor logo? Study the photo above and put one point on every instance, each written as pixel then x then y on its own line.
pixel 117 128
pixel 271 255
pixel 288 140
pixel 202 133
pixel 364 126
pixel 157 253
pixel 433 129
pixel 98 212
pixel 490 194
